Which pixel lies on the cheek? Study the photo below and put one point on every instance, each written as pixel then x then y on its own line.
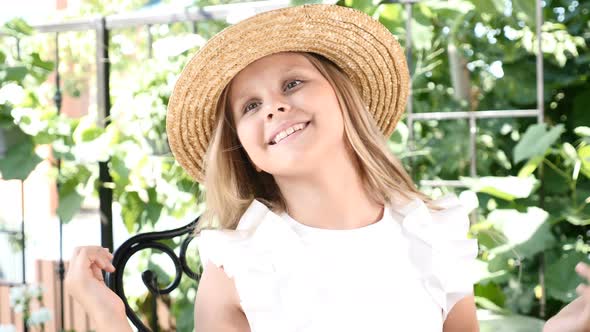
pixel 249 137
pixel 331 115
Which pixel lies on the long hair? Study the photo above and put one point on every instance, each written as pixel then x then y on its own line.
pixel 232 182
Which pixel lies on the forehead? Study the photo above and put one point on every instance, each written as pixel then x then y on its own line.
pixel 267 67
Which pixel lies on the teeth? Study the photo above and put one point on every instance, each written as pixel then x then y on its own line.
pixel 280 136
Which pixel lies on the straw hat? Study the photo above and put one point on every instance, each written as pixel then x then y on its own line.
pixel 361 46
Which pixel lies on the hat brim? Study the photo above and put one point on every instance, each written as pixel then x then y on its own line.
pixel 361 46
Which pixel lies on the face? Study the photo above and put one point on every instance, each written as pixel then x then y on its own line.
pixel 286 114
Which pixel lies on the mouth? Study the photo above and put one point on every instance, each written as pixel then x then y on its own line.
pixel 284 137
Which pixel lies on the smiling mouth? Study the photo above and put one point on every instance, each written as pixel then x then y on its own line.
pixel 276 141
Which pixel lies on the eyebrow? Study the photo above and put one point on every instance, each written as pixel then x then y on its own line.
pixel 245 96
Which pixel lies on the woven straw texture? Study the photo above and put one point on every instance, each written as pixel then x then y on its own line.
pixel 361 46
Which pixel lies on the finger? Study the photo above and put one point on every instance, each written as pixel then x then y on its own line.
pixel 90 262
pixel 104 263
pixel 75 254
pixel 97 272
pixel 583 270
pixel 583 290
pixel 89 255
pixel 108 266
pixel 108 253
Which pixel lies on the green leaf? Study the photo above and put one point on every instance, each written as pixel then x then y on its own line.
pixel 131 209
pixel 86 131
pixel 119 171
pixel 398 141
pixel 485 303
pixel 508 188
pixel 536 141
pixel 498 276
pixel 69 205
pixel 490 6
pixel 490 238
pixel 391 16
pixel 577 220
pixel 526 233
pixel 450 9
pixel 17 27
pixel 582 131
pixel 15 74
pixel 569 151
pixel 488 281
pixel 556 183
pixel 422 28
pixel 490 322
pixel 38 62
pixel 2 57
pixel 525 11
pixel 530 166
pixel 584 155
pixel 153 208
pixel 580 115
pixel 366 6
pixel 70 196
pixel 561 279
pixel 19 160
pixel 91 133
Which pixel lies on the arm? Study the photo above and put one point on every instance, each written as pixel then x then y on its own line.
pixel 462 317
pixel 84 282
pixel 217 307
pixel 568 319
pixel 574 317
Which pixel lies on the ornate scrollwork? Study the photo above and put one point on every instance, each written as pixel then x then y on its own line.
pixel 150 241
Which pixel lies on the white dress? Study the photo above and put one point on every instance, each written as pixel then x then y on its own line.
pixel 402 273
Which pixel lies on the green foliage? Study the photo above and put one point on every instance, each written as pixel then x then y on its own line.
pixel 19 158
pixel 516 234
pixel 508 188
pixel 480 55
pixel 561 283
pixel 512 323
pixel 536 141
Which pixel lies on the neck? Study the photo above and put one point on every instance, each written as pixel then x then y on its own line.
pixel 331 197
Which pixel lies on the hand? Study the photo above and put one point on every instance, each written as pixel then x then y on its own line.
pixel 84 282
pixel 574 317
pixel 583 291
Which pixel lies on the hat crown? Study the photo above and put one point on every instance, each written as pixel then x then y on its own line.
pixel 359 45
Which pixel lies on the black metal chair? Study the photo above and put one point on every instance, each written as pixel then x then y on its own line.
pixel 151 241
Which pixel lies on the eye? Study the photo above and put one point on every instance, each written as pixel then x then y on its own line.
pixel 290 85
pixel 248 108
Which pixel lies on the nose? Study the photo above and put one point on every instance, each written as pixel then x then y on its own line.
pixel 279 106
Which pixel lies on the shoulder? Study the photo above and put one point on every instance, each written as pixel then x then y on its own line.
pixel 445 217
pixel 258 230
pixel 440 247
pixel 240 266
pixel 217 304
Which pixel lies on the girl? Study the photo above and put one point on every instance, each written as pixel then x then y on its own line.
pixel 285 117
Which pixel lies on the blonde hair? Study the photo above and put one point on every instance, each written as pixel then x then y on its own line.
pixel 233 183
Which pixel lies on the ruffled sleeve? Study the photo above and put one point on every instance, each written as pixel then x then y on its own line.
pixel 223 247
pixel 440 249
pixel 215 246
pixel 259 255
pixel 219 246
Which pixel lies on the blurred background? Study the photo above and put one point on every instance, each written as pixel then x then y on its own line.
pixel 498 114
